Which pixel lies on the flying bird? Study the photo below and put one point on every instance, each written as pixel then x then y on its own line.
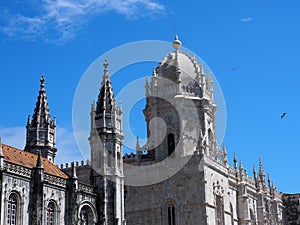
pixel 233 69
pixel 283 115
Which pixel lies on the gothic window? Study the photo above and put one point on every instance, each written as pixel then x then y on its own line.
pixel 219 210
pixel 170 212
pixel 171 143
pixel 86 216
pixel 171 215
pixel 50 214
pixel 12 210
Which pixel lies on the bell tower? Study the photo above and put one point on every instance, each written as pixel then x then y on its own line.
pixel 106 139
pixel 41 130
pixel 180 110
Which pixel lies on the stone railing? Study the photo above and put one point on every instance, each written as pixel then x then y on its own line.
pixel 55 180
pixel 85 188
pixel 17 169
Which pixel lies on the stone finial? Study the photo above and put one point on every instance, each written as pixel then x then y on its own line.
pixel 105 65
pixel 269 181
pixel 28 120
pixel 254 172
pixel 39 163
pixel 120 107
pixel 224 154
pixel 137 146
pixel 74 174
pixel 176 43
pixel 235 161
pixel 210 80
pixel 261 168
pixel 146 87
pixel 241 166
pixel 42 81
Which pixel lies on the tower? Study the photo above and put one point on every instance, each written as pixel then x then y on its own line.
pixel 41 130
pixel 180 110
pixel 106 140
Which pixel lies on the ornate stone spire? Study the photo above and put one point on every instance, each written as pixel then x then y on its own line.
pixel 41 116
pixel 41 130
pixel 261 173
pixel 106 100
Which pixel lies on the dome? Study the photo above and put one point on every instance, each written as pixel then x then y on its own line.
pixel 179 63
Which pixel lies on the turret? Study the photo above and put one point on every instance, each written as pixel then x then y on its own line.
pixel 41 130
pixel 179 96
pixel 106 139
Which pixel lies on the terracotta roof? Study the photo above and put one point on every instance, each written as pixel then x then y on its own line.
pixel 29 160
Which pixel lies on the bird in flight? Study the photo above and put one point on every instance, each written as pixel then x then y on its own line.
pixel 283 115
pixel 233 69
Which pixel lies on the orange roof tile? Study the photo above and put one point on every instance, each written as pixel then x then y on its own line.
pixel 29 160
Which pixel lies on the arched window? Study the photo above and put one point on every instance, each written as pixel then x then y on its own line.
pixel 171 143
pixel 170 212
pixel 50 214
pixel 12 210
pixel 219 210
pixel 86 216
pixel 171 215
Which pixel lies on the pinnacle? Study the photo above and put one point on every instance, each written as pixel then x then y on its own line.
pixel 106 99
pixel 39 163
pixel 41 116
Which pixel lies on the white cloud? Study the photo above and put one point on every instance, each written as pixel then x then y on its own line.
pixel 59 20
pixel 246 19
pixel 65 142
pixel 67 147
pixel 13 136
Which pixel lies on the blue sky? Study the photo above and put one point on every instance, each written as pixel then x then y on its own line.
pixel 61 38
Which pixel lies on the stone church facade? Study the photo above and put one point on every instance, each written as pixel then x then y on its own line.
pixel 188 178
